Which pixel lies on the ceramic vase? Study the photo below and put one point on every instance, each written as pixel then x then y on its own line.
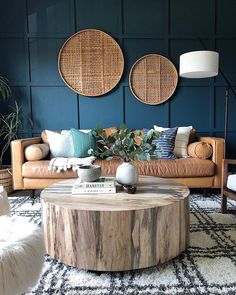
pixel 127 174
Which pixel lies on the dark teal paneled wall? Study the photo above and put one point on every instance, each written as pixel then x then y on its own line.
pixel 32 32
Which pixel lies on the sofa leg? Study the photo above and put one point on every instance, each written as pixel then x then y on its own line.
pixel 33 196
pixel 206 192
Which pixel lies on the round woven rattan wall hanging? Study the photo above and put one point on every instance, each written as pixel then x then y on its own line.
pixel 153 79
pixel 91 62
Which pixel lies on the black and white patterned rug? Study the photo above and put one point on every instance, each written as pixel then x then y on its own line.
pixel 207 267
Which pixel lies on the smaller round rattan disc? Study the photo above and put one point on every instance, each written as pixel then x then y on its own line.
pixel 153 79
pixel 91 62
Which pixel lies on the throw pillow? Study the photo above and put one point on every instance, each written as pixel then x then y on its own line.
pixel 181 140
pixel 36 152
pixel 165 144
pixel 82 143
pixel 61 144
pixel 201 150
pixel 192 136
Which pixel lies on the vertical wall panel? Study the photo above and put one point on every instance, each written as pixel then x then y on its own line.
pixel 191 107
pixel 139 115
pixel 226 49
pixel 144 17
pixel 225 14
pixel 190 17
pixel 54 108
pixel 12 17
pixel 13 62
pixel 43 61
pixel 32 32
pixel 94 14
pixel 50 17
pixel 105 111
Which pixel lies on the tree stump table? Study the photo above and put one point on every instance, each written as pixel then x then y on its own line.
pixel 116 232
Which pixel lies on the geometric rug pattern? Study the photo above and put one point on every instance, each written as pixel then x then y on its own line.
pixel 208 266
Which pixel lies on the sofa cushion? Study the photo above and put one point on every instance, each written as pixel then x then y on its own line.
pixel 183 167
pixel 39 169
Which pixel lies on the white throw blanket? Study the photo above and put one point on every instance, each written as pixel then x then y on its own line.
pixel 62 164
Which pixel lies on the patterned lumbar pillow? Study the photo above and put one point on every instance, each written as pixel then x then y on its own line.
pixel 61 144
pixel 181 140
pixel 82 143
pixel 165 144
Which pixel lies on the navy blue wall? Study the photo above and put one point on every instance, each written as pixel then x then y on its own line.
pixel 32 32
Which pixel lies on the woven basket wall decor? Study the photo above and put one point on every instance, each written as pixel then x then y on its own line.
pixel 91 62
pixel 153 79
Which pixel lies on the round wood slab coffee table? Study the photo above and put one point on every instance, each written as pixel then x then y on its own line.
pixel 116 232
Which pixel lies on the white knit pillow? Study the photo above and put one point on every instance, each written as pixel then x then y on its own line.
pixel 61 144
pixel 181 140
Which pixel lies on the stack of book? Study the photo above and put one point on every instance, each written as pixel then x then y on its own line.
pixel 104 185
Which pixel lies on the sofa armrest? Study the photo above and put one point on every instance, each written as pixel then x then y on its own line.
pixel 218 146
pixel 18 158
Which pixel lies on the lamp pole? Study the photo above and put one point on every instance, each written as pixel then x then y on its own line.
pixel 229 87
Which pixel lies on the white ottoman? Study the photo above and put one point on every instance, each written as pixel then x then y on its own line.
pixel 21 255
pixel 4 203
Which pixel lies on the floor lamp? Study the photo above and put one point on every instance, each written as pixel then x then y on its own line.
pixel 205 64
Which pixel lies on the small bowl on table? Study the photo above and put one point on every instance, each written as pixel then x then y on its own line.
pixel 89 173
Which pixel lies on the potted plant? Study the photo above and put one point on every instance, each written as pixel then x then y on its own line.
pixel 9 126
pixel 127 145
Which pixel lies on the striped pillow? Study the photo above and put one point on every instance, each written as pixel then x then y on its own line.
pixel 181 140
pixel 165 144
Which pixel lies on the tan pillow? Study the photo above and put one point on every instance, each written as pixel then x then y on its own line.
pixel 201 150
pixel 36 152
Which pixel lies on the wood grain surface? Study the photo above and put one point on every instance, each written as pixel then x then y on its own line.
pixel 119 231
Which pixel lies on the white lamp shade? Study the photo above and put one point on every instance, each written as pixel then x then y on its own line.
pixel 199 64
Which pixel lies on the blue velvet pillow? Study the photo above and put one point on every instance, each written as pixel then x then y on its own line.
pixel 82 143
pixel 165 144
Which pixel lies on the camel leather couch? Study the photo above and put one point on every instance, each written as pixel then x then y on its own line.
pixel 193 172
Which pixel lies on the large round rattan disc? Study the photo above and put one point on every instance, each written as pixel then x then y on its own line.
pixel 153 79
pixel 91 62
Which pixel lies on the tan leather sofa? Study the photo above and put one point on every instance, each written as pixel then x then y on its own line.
pixel 193 172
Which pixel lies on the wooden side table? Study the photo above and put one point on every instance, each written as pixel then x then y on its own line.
pixel 119 231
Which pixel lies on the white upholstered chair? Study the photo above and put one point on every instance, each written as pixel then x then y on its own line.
pixel 228 185
pixel 4 203
pixel 21 251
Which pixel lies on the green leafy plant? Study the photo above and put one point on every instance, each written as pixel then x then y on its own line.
pixel 10 124
pixel 125 144
pixel 5 90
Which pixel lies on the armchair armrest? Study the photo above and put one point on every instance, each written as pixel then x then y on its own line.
pixel 18 158
pixel 218 146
